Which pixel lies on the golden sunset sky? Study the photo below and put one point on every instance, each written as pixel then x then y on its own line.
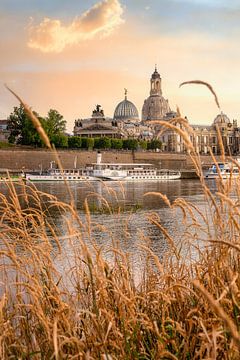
pixel 71 55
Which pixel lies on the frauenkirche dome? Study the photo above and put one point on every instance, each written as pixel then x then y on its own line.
pixel 155 107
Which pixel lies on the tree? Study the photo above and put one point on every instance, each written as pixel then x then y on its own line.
pixel 74 142
pixel 102 143
pixel 22 130
pixel 87 143
pixel 116 144
pixel 54 124
pixel 154 144
pixel 143 144
pixel 59 140
pixel 130 144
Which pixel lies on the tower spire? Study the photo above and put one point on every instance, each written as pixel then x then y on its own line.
pixel 125 93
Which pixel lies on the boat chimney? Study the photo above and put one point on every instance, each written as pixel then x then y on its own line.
pixel 99 158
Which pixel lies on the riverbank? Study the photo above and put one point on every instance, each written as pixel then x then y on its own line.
pixel 164 286
pixel 16 160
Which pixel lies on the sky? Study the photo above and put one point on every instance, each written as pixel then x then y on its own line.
pixel 71 55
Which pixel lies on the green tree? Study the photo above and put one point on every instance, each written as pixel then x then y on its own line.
pixel 154 144
pixel 22 130
pixel 130 144
pixel 102 143
pixel 54 124
pixel 59 140
pixel 116 144
pixel 74 142
pixel 87 143
pixel 143 144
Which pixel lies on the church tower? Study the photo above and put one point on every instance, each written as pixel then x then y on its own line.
pixel 156 86
pixel 155 107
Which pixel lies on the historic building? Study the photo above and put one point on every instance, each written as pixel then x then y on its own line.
pixel 97 126
pixel 203 137
pixel 127 118
pixel 126 123
pixel 126 111
pixel 4 132
pixel 155 107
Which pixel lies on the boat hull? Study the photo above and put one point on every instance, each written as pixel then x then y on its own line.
pixel 31 177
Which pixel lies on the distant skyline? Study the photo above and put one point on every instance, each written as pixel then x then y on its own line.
pixel 71 55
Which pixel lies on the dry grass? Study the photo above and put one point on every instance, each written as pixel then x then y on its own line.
pixel 98 309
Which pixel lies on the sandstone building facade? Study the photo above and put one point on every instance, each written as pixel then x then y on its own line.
pixel 126 123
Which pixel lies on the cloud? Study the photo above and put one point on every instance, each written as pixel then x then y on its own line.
pixel 100 20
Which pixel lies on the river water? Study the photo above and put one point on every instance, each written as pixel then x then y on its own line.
pixel 124 214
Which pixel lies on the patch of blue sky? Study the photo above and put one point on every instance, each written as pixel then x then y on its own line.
pixel 185 16
pixel 53 8
pixel 227 4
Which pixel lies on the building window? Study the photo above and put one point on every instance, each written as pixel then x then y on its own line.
pixel 214 139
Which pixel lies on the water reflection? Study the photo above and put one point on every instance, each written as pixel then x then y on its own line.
pixel 121 213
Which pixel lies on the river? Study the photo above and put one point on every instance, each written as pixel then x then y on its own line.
pixel 126 215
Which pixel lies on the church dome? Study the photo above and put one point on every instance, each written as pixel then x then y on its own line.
pixel 155 107
pixel 221 119
pixel 126 110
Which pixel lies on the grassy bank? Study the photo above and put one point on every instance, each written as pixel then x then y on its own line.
pixel 98 309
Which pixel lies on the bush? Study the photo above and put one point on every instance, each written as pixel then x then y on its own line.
pixel 74 142
pixel 154 144
pixel 102 143
pixel 87 143
pixel 130 144
pixel 143 144
pixel 116 144
pixel 60 141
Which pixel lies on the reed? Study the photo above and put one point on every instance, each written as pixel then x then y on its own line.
pixel 66 297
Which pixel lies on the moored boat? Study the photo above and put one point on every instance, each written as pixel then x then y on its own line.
pixel 55 174
pixel 129 172
pixel 106 171
pixel 223 170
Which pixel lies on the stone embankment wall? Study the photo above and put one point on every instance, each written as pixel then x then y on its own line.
pixel 29 160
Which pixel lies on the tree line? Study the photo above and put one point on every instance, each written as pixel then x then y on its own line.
pixel 23 132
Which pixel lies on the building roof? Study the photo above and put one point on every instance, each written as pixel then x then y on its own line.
pixel 126 110
pixel 221 119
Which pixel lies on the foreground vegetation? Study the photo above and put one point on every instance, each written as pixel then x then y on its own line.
pixel 183 306
pixel 99 309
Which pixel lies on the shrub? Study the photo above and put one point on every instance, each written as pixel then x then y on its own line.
pixel 74 142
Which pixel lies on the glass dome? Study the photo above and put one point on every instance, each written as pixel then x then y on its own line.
pixel 126 110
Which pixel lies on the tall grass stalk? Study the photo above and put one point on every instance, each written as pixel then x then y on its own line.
pixel 96 308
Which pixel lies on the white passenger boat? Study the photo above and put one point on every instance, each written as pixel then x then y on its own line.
pixel 55 174
pixel 129 172
pixel 223 170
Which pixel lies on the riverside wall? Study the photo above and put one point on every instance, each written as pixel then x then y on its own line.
pixel 16 160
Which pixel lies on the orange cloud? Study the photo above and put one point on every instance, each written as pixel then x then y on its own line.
pixel 53 36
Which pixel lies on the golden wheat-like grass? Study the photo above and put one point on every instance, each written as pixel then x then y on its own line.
pixel 61 297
